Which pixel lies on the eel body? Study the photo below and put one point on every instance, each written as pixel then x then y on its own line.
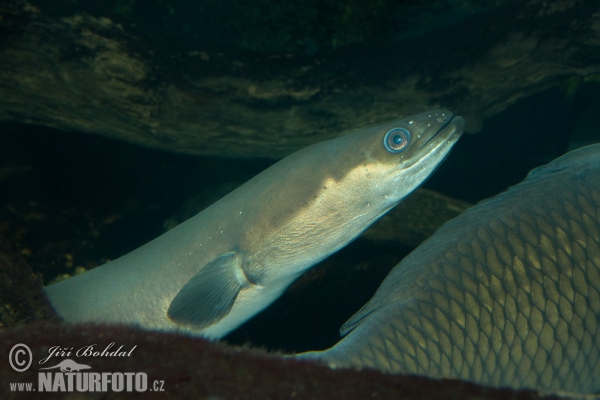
pixel 506 294
pixel 216 270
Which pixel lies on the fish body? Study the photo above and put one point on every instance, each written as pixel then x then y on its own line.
pixel 216 270
pixel 507 294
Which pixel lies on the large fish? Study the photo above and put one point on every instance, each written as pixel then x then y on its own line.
pixel 219 268
pixel 506 294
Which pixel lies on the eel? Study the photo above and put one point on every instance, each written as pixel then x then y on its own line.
pixel 507 294
pixel 211 273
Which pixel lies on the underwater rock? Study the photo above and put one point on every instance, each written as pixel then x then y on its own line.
pixel 91 75
pixel 416 218
pixel 22 298
pixel 196 368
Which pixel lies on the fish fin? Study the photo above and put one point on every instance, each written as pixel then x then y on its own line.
pixel 210 294
pixel 580 158
pixel 356 319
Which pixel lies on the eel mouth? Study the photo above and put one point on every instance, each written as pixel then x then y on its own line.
pixel 450 130
pixel 442 141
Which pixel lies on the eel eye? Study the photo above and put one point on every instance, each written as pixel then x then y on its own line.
pixel 397 140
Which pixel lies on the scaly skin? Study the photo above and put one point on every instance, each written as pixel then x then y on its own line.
pixel 507 294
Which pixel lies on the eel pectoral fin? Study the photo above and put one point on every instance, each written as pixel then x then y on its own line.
pixel 210 294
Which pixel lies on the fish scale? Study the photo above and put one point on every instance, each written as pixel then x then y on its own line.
pixel 507 294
